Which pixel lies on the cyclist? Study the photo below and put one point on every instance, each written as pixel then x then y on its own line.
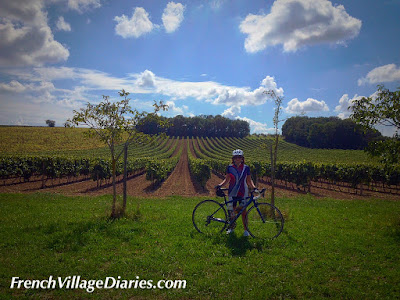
pixel 238 176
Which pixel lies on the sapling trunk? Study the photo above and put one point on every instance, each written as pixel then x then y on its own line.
pixel 125 178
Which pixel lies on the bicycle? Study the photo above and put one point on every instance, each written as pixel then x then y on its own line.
pixel 263 219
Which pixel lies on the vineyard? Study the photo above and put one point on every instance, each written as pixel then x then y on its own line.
pixel 199 163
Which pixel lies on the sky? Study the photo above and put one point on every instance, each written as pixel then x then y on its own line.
pixel 201 57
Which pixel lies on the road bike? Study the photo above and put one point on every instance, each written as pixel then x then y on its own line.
pixel 263 219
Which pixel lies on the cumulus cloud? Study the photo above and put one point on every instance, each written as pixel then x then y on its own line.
pixel 136 26
pixel 174 110
pixel 146 79
pixel 172 16
pixel 244 96
pixel 298 23
pixel 310 105
pixel 344 112
pixel 82 5
pixel 345 103
pixel 62 25
pixel 257 127
pixel 25 37
pixel 386 73
pixel 232 112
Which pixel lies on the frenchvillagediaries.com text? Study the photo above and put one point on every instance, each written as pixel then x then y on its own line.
pixel 76 282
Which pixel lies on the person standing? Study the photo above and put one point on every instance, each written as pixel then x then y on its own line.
pixel 239 179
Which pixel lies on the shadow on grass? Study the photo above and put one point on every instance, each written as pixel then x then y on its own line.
pixel 101 232
pixel 240 245
pixel 394 231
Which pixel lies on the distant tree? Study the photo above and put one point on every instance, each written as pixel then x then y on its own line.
pixel 211 126
pixel 295 130
pixel 331 132
pixel 319 135
pixel 51 123
pixel 383 110
pixel 115 123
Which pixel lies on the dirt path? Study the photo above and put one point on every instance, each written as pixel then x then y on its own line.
pixel 179 182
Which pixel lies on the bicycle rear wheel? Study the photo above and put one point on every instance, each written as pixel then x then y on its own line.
pixel 264 221
pixel 209 217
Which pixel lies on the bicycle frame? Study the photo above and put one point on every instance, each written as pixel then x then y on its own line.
pixel 202 216
pixel 252 199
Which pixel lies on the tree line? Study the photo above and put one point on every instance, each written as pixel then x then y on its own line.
pixel 327 132
pixel 203 126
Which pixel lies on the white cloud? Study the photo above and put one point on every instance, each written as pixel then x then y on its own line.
pixel 13 87
pixel 343 112
pixel 62 25
pixel 174 110
pixel 257 127
pixel 386 73
pixel 97 80
pixel 33 113
pixel 244 96
pixel 41 85
pixel 345 102
pixel 25 37
pixel 138 25
pixel 146 79
pixel 82 5
pixel 173 16
pixel 298 23
pixel 231 112
pixel 148 82
pixel 310 105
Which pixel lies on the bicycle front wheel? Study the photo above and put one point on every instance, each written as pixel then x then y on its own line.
pixel 209 217
pixel 264 221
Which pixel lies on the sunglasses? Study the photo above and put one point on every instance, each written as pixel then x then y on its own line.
pixel 237 157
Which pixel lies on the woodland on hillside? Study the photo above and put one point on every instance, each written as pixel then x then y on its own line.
pixel 327 133
pixel 203 126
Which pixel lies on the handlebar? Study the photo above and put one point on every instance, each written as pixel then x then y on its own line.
pixel 261 192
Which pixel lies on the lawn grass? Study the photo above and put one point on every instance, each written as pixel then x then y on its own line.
pixel 329 248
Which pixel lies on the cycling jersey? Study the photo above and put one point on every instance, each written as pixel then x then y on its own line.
pixel 237 184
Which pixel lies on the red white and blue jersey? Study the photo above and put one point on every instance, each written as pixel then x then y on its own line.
pixel 237 184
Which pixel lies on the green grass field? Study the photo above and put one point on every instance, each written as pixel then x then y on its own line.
pixel 329 249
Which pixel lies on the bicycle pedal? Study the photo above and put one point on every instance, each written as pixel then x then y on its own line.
pixel 233 226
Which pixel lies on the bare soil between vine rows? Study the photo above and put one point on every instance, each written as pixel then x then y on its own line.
pixel 180 182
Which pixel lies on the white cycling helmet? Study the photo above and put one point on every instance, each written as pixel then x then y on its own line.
pixel 237 152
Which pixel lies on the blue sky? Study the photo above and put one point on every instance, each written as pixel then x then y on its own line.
pixel 201 57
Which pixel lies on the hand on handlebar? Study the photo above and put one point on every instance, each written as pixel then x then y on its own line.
pixel 256 190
